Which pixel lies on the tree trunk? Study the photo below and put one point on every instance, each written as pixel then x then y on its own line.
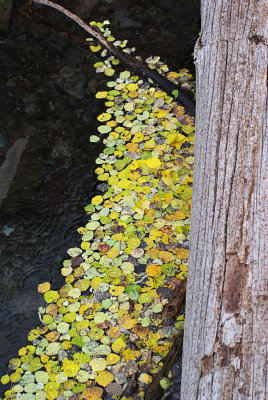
pixel 225 340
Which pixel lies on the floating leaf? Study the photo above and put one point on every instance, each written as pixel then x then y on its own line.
pixel 101 95
pixel 5 379
pixel 70 369
pixel 94 49
pixel 94 139
pixel 97 200
pixel 132 86
pixel 104 129
pixel 133 291
pixel 112 359
pixel 153 270
pixel 109 71
pixel 93 393
pixel 74 293
pixel 63 327
pixel 114 389
pixel 175 93
pixel 52 349
pixel 51 296
pixel 42 377
pixel 153 162
pixel 145 378
pixel 129 354
pixel 116 290
pixel 144 298
pixel 52 336
pixel 126 322
pixel 118 345
pixel 104 378
pixel 98 364
pixel 157 308
pixel 43 287
pixel 124 74
pixel 114 332
pixel 104 117
pixel 99 317
pixel 182 254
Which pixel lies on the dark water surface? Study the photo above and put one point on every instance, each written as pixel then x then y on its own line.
pixel 48 87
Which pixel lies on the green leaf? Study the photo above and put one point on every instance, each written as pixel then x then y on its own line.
pixel 175 93
pixel 94 139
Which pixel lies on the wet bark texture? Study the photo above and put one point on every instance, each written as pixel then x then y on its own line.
pixel 225 339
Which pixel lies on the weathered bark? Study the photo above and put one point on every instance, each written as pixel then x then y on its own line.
pixel 225 339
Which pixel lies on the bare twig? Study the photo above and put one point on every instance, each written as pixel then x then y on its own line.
pixel 136 65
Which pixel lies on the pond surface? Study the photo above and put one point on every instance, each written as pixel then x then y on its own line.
pixel 48 87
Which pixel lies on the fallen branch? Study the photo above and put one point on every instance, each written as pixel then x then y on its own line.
pixel 170 312
pixel 174 306
pixel 155 391
pixel 136 65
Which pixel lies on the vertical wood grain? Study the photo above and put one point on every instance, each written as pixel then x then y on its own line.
pixel 225 340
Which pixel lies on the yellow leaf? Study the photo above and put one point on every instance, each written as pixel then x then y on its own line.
pixel 127 322
pixel 101 95
pixel 167 178
pixel 112 359
pixel 98 364
pixel 104 117
pixel 109 71
pixel 95 48
pixel 104 378
pixel 132 86
pixel 131 354
pixel 153 162
pixel 116 290
pixel 113 252
pixel 166 256
pixel 145 378
pixel 118 345
pixel 97 200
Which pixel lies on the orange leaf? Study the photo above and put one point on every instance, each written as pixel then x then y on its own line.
pixel 153 253
pixel 178 215
pixel 166 256
pixel 183 254
pixel 153 270
pixel 132 146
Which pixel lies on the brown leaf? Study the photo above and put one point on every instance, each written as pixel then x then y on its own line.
pixel 76 261
pixel 103 248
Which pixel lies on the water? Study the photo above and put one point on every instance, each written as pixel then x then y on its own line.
pixel 54 176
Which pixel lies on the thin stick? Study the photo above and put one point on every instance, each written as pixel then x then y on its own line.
pixel 132 62
pixel 80 22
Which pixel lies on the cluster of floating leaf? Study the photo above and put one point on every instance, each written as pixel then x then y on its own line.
pixel 105 326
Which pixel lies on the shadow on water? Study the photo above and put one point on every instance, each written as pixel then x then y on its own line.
pixel 48 87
